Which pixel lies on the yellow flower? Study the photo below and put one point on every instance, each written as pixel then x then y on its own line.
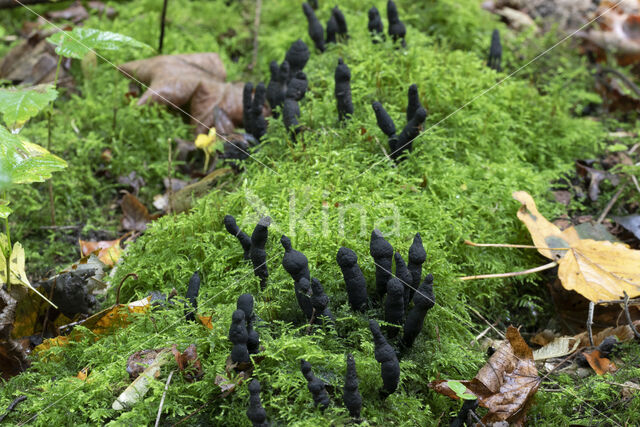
pixel 206 144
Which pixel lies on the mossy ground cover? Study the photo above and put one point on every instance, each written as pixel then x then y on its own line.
pixel 329 189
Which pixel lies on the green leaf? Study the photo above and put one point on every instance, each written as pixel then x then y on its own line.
pixel 19 105
pixel 460 390
pixel 78 42
pixel 22 162
pixel 467 396
pixel 617 147
pixel 5 210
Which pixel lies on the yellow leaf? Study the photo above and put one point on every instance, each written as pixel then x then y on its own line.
pixel 597 270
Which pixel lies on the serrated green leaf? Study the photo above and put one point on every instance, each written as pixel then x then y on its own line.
pixel 19 105
pixel 22 162
pixel 78 42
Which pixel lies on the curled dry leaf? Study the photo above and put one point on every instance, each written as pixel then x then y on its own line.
pixel 188 363
pixel 141 360
pixel 505 384
pixel 600 364
pixel 135 215
pixel 108 251
pixel 196 80
pixel 597 270
pixel 559 347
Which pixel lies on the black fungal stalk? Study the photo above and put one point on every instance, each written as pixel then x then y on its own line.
pixel 320 303
pixel 403 274
pixel 256 413
pixel 294 262
pixel 382 253
pixel 386 356
pixel 273 87
pixel 394 306
pixel 257 252
pixel 385 123
pixel 277 87
pixel 297 57
pixel 332 30
pixel 245 303
pixel 192 296
pixel 464 417
pixel 404 142
pixel 397 30
pixel 343 32
pixel 296 90
pixel 247 98
pixel 238 337
pixel 417 257
pixel 376 27
pixel 343 90
pixel 495 51
pixel 303 296
pixel 315 385
pixel 234 230
pixel 351 395
pixel 258 122
pixel 315 27
pixel 423 301
pixel 354 280
pixel 413 104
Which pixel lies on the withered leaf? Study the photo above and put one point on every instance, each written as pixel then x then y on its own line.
pixel 195 80
pixel 140 360
pixel 188 363
pixel 505 384
pixel 600 364
pixel 108 251
pixel 135 215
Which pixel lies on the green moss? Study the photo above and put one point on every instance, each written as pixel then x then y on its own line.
pixel 329 190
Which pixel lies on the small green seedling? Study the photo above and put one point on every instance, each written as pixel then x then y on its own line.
pixel 460 390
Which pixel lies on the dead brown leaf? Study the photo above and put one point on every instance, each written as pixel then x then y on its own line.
pixel 600 364
pixel 505 384
pixel 188 363
pixel 195 80
pixel 108 251
pixel 140 360
pixel 135 215
pixel 75 13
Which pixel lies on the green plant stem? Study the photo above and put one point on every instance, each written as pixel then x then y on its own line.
pixel 52 207
pixel 8 254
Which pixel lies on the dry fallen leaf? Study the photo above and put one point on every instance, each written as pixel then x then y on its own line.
pixel 559 347
pixel 195 79
pixel 597 270
pixel 601 365
pixel 135 215
pixel 188 363
pixel 109 251
pixel 505 384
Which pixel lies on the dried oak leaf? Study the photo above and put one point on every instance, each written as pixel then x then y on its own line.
pixel 135 215
pixel 188 363
pixel 597 270
pixel 505 385
pixel 195 80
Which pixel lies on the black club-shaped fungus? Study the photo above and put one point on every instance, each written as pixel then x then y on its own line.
pixel 397 30
pixel 294 262
pixel 423 301
pixel 238 336
pixel 315 385
pixel 234 230
pixel 343 32
pixel 386 356
pixel 297 56
pixel 315 27
pixel 320 303
pixel 464 417
pixel 343 90
pixel 417 257
pixel 274 87
pixel 245 303
pixel 296 90
pixel 354 280
pixel 351 395
pixel 413 104
pixel 375 26
pixel 385 123
pixel 257 253
pixel 409 133
pixel 192 296
pixel 495 51
pixel 394 306
pixel 403 274
pixel 332 30
pixel 258 122
pixel 382 253
pixel 247 98
pixel 256 413
pixel 303 296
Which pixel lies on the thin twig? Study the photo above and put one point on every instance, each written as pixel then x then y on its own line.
pixel 256 31
pixel 480 335
pixel 513 273
pixel 635 182
pixel 475 417
pixel 613 200
pixel 508 245
pixel 592 307
pixel 170 189
pixel 166 387
pixel 12 406
pixel 477 313
pixel 120 285
pixel 628 315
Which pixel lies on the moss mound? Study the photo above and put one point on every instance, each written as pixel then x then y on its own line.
pixel 328 190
